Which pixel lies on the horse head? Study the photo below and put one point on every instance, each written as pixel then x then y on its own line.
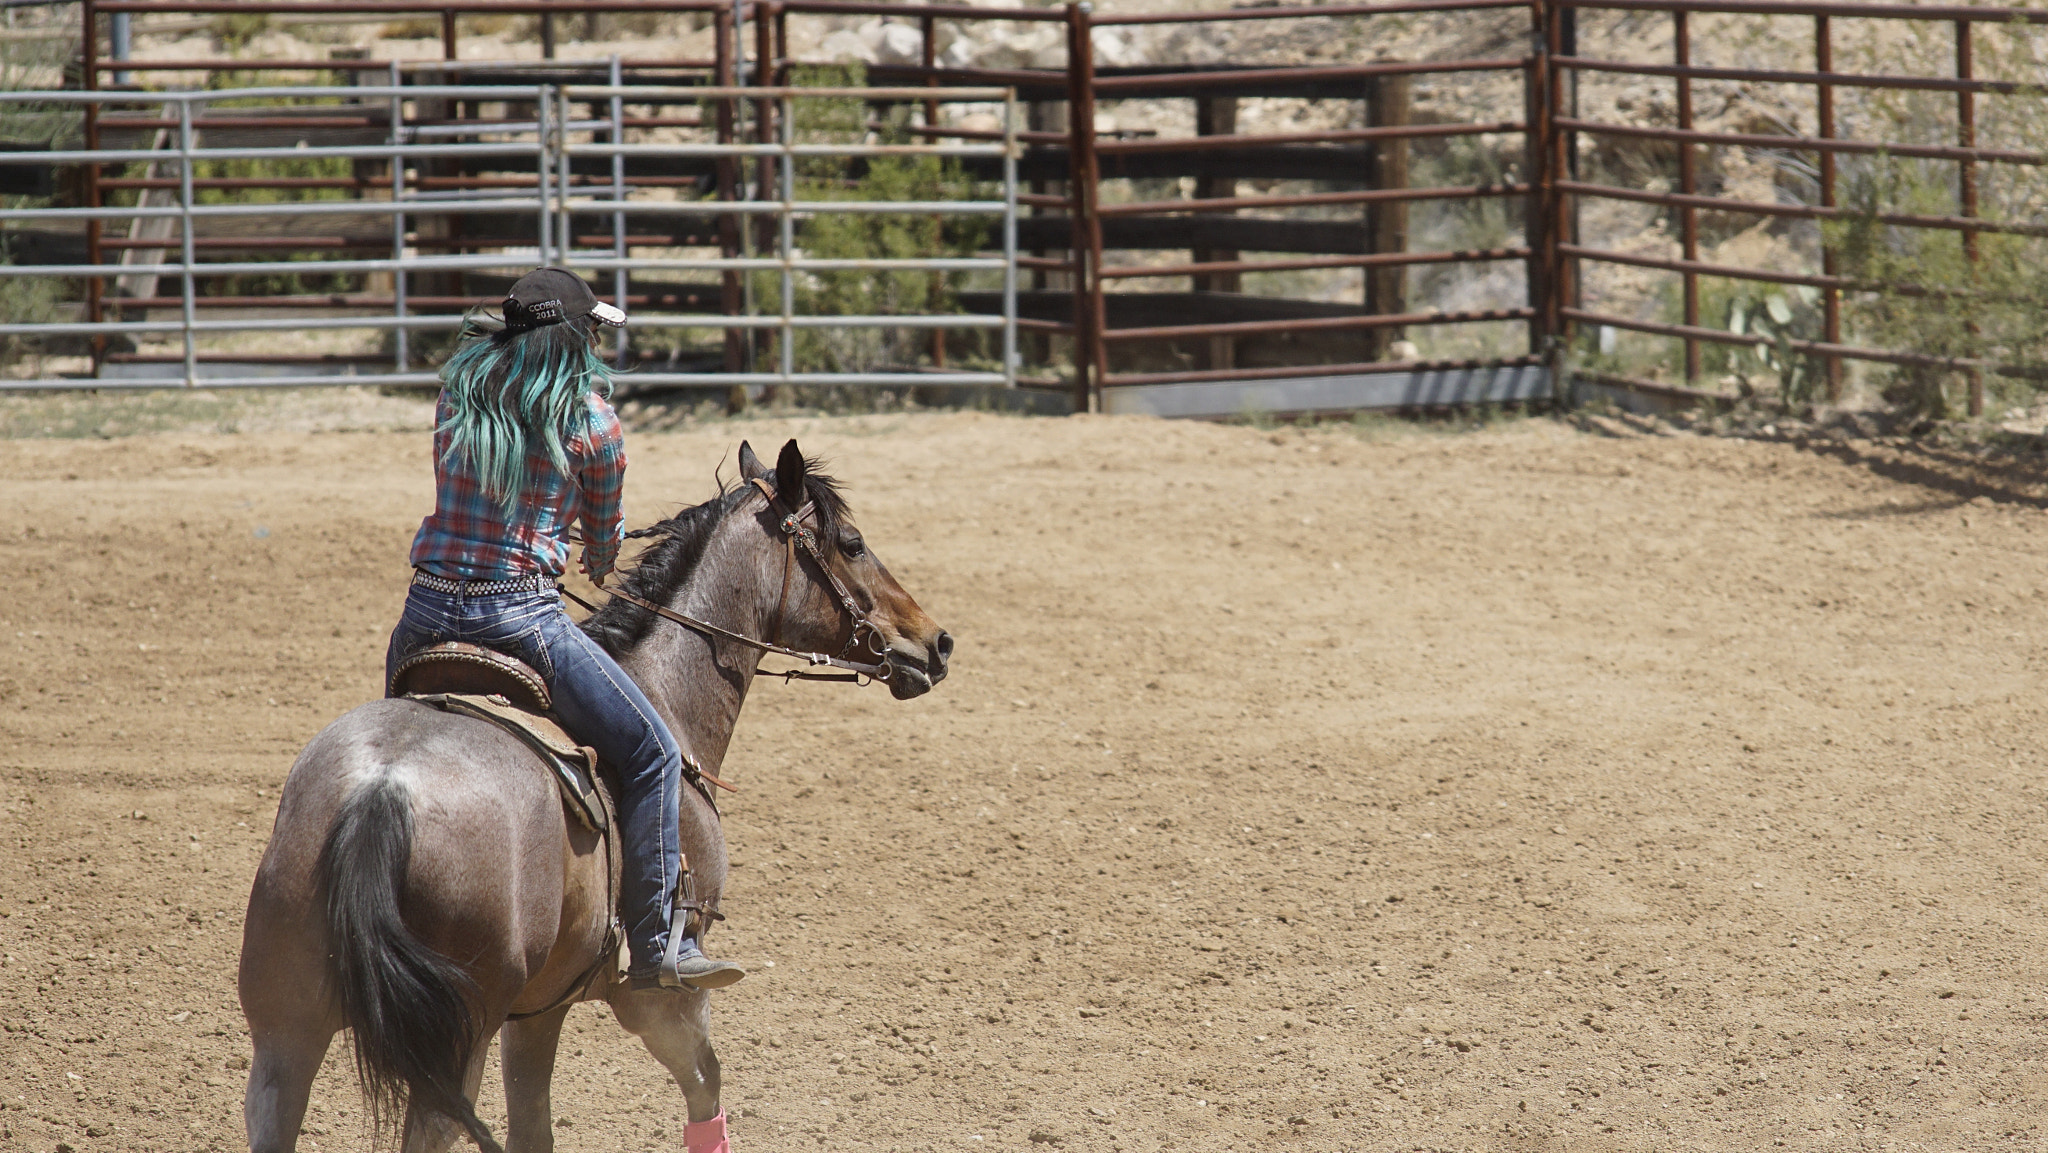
pixel 853 606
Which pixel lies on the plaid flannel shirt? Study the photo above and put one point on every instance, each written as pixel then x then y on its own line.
pixel 470 537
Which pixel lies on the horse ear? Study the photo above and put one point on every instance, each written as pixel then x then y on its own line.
pixel 789 475
pixel 750 465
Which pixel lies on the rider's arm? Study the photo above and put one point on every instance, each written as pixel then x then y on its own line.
pixel 601 474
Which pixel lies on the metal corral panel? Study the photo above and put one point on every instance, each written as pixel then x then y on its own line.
pixel 1422 388
pixel 173 375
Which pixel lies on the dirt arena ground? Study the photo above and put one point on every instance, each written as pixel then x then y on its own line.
pixel 1541 786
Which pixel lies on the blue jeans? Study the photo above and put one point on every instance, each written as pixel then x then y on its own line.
pixel 600 706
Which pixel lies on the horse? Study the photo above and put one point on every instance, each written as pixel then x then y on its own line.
pixel 423 886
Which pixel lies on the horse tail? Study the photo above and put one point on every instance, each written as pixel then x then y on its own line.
pixel 407 1006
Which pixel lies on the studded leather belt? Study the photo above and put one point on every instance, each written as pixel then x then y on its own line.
pixel 526 584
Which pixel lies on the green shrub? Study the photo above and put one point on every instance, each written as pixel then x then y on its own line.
pixel 1930 297
pixel 1930 291
pixel 870 235
pixel 234 31
pixel 318 167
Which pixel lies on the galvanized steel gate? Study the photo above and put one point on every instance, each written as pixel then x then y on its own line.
pixel 547 143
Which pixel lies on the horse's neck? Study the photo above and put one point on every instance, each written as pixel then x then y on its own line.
pixel 697 686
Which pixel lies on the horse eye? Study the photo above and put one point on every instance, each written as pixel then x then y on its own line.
pixel 851 545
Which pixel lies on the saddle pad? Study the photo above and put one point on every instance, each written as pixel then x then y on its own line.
pixel 573 766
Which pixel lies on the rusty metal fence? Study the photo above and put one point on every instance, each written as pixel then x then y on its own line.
pixel 1811 128
pixel 1093 240
pixel 1140 268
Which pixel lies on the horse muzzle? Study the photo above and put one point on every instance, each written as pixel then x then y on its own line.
pixel 913 673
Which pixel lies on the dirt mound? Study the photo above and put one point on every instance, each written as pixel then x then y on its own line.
pixel 1366 788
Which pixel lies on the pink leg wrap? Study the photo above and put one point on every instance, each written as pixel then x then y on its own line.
pixel 707 1136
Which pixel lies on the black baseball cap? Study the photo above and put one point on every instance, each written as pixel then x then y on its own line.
pixel 550 296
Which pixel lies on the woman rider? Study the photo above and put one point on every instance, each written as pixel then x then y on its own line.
pixel 525 445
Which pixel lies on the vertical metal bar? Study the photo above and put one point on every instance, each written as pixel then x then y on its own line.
pixel 190 249
pixel 765 111
pixel 121 43
pixel 547 36
pixel 786 243
pixel 1557 160
pixel 1043 116
pixel 1077 212
pixel 746 74
pixel 619 280
pixel 565 236
pixel 779 73
pixel 767 174
pixel 1010 239
pixel 1966 179
pixel 95 286
pixel 402 337
pixel 935 283
pixel 1571 285
pixel 1386 289
pixel 543 108
pixel 1082 191
pixel 775 66
pixel 1689 220
pixel 1537 210
pixel 1217 116
pixel 452 227
pixel 928 26
pixel 1831 298
pixel 1966 132
pixel 730 232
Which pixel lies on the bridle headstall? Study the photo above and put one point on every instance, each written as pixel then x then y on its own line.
pixel 795 534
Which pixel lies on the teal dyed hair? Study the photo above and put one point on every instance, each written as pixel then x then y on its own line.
pixel 509 392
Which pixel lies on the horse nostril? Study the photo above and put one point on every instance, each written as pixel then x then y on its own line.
pixel 944 648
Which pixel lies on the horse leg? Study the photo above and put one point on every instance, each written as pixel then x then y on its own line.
pixel 527 1050
pixel 675 1025
pixel 430 1132
pixel 290 1026
pixel 280 1081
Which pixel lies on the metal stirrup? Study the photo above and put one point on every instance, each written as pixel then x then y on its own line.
pixel 678 924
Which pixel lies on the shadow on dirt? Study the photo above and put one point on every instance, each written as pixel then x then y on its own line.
pixel 1953 464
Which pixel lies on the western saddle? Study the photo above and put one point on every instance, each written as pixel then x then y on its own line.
pixel 459 667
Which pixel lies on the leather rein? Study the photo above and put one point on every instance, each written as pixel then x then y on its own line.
pixel 795 534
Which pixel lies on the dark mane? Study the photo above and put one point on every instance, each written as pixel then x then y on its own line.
pixel 664 566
